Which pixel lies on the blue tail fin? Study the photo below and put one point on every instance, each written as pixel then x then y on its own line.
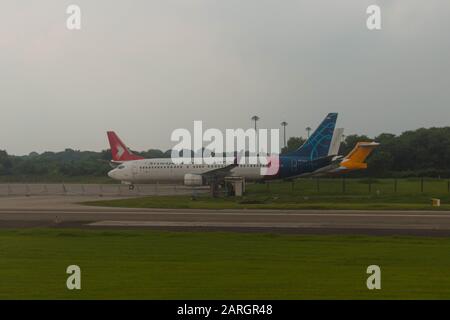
pixel 318 144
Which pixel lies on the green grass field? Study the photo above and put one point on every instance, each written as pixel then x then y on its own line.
pixel 405 194
pixel 208 265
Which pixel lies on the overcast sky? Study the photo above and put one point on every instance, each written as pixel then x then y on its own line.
pixel 145 68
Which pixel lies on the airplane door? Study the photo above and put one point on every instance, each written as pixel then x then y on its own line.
pixel 171 172
pixel 134 170
pixel 293 165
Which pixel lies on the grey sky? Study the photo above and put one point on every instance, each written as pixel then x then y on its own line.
pixel 144 68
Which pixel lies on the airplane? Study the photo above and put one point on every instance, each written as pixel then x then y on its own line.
pixel 351 162
pixel 308 158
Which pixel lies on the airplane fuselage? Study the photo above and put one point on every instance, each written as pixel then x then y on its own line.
pixel 165 170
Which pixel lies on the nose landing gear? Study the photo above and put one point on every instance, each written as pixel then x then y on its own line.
pixel 131 187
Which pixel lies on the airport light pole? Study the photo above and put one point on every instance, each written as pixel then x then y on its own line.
pixel 284 124
pixel 308 129
pixel 255 119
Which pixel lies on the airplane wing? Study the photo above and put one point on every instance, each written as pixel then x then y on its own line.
pixel 220 173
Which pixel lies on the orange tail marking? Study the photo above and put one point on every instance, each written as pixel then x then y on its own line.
pixel 355 159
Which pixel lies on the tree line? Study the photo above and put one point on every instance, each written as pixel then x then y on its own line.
pixel 422 152
pixel 417 153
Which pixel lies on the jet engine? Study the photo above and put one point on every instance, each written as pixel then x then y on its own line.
pixel 193 179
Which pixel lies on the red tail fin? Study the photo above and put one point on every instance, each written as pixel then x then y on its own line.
pixel 119 150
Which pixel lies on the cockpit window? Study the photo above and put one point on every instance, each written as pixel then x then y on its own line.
pixel 121 167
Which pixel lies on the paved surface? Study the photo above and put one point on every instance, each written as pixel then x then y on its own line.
pixel 63 211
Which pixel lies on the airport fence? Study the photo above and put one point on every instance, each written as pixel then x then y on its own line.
pixel 35 189
pixel 306 186
pixel 333 186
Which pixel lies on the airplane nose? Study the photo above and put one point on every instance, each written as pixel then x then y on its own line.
pixel 113 174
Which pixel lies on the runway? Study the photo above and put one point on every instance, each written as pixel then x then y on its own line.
pixel 65 212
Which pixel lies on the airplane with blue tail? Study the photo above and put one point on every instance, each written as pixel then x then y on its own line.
pixel 310 157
